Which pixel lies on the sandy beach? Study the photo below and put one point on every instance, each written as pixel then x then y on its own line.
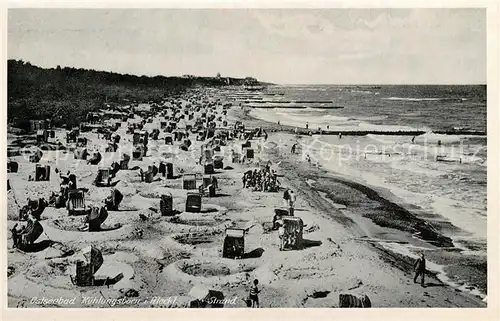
pixel 344 250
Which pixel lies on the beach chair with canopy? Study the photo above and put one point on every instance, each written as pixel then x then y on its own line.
pixel 113 201
pixel 249 153
pixel 234 243
pixel 169 139
pixel 96 217
pixel 218 162
pixel 90 259
pixel 42 136
pixel 12 167
pixel 124 161
pixel 294 227
pixel 115 138
pixel 96 158
pixel 166 204
pixel 144 136
pixel 189 181
pixel 193 202
pixel 136 137
pixel 81 153
pixel 148 176
pixel 36 156
pixel 170 171
pixel 202 297
pixel 81 141
pixel 76 203
pixel 208 167
pixel 42 172
pixel 27 236
pixel 139 152
pixel 104 176
pixel 111 148
pixel 71 137
pixel 155 134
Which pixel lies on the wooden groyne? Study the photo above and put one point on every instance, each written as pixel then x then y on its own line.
pixel 304 131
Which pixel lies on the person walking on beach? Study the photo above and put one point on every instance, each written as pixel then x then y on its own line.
pixel 254 291
pixel 291 202
pixel 419 267
pixel 294 146
pixel 307 125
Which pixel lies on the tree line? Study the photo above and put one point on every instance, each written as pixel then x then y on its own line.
pixel 65 95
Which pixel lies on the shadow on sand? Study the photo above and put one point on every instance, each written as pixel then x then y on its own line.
pixel 36 247
pixel 310 243
pixel 221 195
pixel 108 281
pixel 256 253
pixel 431 285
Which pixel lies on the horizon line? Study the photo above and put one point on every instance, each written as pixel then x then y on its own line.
pixel 260 80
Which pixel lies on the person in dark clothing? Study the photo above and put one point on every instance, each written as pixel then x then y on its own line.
pixel 254 291
pixel 420 269
pixel 16 236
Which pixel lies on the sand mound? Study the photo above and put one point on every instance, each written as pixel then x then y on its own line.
pixel 210 271
pixel 52 273
pixel 196 238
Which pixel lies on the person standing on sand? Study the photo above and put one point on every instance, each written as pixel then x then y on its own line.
pixel 281 234
pixel 419 267
pixel 291 202
pixel 286 196
pixel 254 291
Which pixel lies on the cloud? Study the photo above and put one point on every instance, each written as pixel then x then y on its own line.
pixel 296 25
pixel 293 46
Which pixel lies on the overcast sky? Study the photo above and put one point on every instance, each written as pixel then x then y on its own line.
pixel 322 46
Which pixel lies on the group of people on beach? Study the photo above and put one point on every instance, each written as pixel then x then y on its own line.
pixel 261 180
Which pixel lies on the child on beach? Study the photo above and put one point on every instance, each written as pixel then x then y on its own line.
pixel 254 291
pixel 281 234
pixel 419 267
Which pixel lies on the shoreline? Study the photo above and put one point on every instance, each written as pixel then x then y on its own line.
pixel 384 231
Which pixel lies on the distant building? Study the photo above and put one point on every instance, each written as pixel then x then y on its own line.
pixel 250 81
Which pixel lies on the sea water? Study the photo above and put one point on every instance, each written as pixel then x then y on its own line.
pixel 442 177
